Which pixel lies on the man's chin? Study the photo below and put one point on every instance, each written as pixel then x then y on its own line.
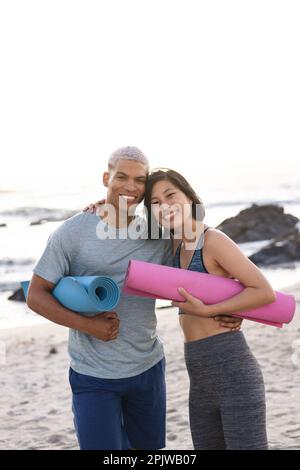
pixel 128 208
pixel 124 201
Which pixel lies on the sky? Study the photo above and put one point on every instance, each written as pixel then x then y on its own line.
pixel 204 87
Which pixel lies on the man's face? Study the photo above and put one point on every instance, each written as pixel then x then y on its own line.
pixel 126 184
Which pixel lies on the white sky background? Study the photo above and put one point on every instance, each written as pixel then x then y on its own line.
pixel 203 87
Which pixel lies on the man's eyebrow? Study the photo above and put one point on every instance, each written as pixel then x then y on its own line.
pixel 125 174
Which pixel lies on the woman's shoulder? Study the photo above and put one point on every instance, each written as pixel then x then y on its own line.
pixel 214 237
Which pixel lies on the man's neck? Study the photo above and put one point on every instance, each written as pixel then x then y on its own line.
pixel 118 219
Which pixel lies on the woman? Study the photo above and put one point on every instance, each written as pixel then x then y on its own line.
pixel 227 397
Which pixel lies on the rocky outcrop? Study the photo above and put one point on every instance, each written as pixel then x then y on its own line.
pixel 259 223
pixel 18 295
pixel 281 250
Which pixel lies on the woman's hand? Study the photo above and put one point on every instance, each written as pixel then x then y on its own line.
pixel 92 208
pixel 194 306
pixel 191 305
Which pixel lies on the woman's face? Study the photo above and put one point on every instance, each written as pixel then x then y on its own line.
pixel 170 206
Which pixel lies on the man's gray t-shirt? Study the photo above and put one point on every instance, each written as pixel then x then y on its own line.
pixel 74 249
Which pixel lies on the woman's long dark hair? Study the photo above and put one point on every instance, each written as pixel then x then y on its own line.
pixel 166 174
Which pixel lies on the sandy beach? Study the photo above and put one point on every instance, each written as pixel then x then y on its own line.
pixel 35 403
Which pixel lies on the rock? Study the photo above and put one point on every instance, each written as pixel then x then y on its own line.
pixel 259 223
pixel 38 222
pixel 3 225
pixel 18 295
pixel 281 250
pixel 53 350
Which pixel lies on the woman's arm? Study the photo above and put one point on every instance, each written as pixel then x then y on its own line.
pixel 230 258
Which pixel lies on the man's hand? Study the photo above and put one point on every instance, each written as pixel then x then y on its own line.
pixel 227 321
pixel 104 326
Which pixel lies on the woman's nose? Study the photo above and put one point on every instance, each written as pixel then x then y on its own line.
pixel 164 207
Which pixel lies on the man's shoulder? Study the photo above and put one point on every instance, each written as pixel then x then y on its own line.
pixel 79 219
pixel 74 226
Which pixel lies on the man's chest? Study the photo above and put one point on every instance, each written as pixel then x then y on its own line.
pixel 108 257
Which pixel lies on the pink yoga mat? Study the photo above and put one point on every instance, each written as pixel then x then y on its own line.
pixel 162 282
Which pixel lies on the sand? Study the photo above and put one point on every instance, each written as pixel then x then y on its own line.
pixel 35 400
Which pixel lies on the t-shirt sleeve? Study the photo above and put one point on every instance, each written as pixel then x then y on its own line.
pixel 55 260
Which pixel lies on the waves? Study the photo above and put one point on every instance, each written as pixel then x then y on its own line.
pixel 38 214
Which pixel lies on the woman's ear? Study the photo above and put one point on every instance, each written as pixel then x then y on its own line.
pixel 105 179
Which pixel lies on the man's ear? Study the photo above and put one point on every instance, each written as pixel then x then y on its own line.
pixel 105 179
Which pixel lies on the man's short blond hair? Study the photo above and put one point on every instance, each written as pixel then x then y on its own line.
pixel 128 153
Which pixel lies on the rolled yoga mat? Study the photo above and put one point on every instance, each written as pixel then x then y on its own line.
pixel 85 294
pixel 162 282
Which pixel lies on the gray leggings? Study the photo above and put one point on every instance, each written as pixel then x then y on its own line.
pixel 227 395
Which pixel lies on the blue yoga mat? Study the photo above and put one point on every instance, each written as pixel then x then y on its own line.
pixel 84 294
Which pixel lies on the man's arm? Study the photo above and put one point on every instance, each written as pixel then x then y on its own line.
pixel 104 326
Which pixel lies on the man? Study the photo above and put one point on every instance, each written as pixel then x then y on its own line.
pixel 117 360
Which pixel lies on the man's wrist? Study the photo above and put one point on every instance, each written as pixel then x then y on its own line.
pixel 82 324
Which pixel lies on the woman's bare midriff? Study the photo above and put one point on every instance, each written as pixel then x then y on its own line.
pixel 194 327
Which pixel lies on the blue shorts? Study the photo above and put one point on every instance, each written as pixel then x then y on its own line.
pixel 119 414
